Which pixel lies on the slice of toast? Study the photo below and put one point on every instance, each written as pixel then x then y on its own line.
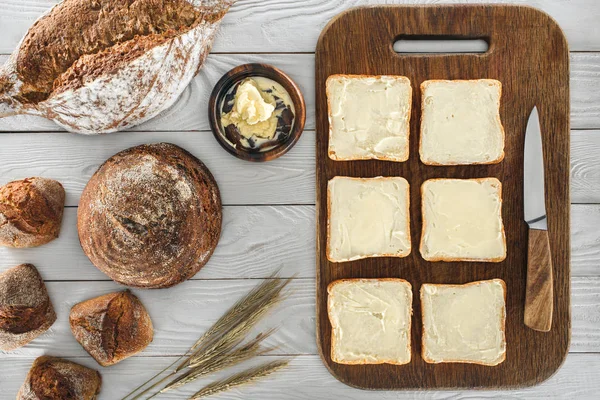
pixel 462 220
pixel 370 320
pixel 464 323
pixel 369 117
pixel 460 122
pixel 367 217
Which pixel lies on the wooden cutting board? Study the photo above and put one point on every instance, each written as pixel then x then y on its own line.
pixel 528 53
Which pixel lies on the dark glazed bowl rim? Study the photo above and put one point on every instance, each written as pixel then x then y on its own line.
pixel 242 72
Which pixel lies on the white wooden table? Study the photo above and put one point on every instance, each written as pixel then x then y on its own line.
pixel 269 213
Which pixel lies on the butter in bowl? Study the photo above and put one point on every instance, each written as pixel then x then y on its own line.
pixel 256 112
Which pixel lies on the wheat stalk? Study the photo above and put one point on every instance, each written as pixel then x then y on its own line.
pixel 221 361
pixel 241 378
pixel 225 334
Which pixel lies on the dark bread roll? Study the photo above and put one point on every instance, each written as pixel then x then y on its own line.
pixel 31 212
pixel 111 327
pixel 25 308
pixel 52 378
pixel 150 217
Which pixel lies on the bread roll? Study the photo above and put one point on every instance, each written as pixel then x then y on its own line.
pixel 52 378
pixel 111 327
pixel 30 212
pixel 25 308
pixel 150 216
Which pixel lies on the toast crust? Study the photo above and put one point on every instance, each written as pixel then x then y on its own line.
pixel 454 259
pixel 333 327
pixel 423 86
pixel 503 317
pixel 332 155
pixel 328 246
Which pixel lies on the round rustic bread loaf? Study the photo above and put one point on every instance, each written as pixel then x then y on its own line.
pixel 150 216
pixel 25 308
pixel 31 212
pixel 111 327
pixel 53 378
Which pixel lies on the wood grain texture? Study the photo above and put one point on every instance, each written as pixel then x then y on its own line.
pixel 189 113
pixel 255 239
pixel 521 40
pixel 294 26
pixel 307 378
pixel 181 314
pixel 585 168
pixel 539 294
pixel 72 159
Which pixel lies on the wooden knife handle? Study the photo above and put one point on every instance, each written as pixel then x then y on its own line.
pixel 539 295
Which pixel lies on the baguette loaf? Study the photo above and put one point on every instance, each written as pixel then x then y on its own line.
pixel 111 327
pixel 150 216
pixel 53 378
pixel 460 122
pixel 25 308
pixel 370 320
pixel 30 212
pixel 464 323
pixel 105 65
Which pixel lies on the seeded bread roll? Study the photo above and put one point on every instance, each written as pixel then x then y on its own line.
pixel 30 212
pixel 25 308
pixel 111 327
pixel 150 217
pixel 52 378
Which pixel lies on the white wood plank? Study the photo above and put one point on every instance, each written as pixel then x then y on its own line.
pixel 181 314
pixel 190 111
pixel 72 159
pixel 294 26
pixel 254 242
pixel 585 168
pixel 307 378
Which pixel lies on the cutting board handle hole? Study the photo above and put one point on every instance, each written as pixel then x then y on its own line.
pixel 407 45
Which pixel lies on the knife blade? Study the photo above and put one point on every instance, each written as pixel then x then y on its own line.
pixel 539 291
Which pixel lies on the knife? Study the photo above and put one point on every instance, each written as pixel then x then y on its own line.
pixel 539 293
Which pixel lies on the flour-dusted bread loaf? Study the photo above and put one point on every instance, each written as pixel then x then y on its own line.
pixel 150 216
pixel 369 117
pixel 462 220
pixel 111 327
pixel 464 323
pixel 31 212
pixel 25 308
pixel 367 217
pixel 106 65
pixel 460 122
pixel 53 378
pixel 370 320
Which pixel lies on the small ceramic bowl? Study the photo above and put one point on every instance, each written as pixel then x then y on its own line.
pixel 237 75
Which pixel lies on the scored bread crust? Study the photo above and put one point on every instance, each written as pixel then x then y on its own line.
pixel 328 247
pixel 453 259
pixel 332 154
pixel 423 85
pixel 333 327
pixel 423 348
